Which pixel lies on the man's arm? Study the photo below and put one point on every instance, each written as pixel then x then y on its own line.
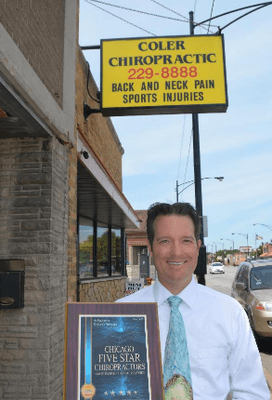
pixel 246 370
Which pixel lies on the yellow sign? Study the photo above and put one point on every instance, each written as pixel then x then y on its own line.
pixel 162 75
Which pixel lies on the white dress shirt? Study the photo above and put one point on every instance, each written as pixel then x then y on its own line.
pixel 223 352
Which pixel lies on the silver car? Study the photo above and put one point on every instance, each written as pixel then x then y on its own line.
pixel 252 287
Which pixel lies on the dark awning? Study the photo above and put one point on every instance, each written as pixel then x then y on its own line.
pixel 100 200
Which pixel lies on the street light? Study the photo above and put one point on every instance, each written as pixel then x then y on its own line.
pixel 215 247
pixel 267 226
pixel 232 241
pixel 245 236
pixel 219 178
pixel 222 244
pixel 211 246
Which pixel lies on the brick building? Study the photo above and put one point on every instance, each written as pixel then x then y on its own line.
pixel 140 263
pixel 267 250
pixel 63 214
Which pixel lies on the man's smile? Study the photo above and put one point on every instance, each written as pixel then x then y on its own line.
pixel 176 262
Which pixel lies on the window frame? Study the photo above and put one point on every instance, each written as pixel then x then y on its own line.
pixel 95 275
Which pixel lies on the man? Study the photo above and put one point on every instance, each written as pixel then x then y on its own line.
pixel 223 354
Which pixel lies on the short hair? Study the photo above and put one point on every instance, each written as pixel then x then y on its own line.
pixel 159 209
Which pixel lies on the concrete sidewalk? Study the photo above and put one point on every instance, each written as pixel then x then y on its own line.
pixel 269 381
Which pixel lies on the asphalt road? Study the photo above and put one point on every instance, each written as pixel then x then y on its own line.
pixel 222 283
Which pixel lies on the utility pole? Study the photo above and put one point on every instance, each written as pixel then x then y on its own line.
pixel 201 268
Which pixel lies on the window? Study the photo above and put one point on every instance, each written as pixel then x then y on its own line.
pixel 86 237
pixel 261 277
pixel 116 253
pixel 242 275
pixel 101 250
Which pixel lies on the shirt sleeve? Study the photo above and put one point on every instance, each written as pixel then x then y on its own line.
pixel 246 372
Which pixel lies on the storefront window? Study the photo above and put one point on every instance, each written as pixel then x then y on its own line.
pixel 116 252
pixel 102 251
pixel 86 235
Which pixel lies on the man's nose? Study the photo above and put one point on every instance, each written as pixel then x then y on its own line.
pixel 176 248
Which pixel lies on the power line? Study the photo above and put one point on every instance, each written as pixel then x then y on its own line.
pixel 188 156
pixel 137 11
pixel 181 146
pixel 211 15
pixel 202 25
pixel 169 9
pixel 122 19
pixel 195 7
pixel 185 19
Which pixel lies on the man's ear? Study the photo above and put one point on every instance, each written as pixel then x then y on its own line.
pixel 150 249
pixel 198 244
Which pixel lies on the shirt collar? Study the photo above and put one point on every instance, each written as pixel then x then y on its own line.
pixel 188 295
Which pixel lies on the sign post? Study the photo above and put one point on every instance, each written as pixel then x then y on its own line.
pixel 201 268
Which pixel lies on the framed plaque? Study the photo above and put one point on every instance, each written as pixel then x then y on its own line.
pixel 112 352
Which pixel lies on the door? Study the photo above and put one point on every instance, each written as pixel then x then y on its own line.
pixel 144 266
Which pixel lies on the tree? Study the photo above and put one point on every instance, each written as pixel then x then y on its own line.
pixel 87 245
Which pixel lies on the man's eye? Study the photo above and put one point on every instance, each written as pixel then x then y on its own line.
pixel 164 241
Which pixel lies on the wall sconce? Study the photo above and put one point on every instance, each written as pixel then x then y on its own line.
pixel 85 154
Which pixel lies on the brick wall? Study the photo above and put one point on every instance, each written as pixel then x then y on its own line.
pixel 98 131
pixel 133 272
pixel 39 34
pixel 72 229
pixel 103 141
pixel 104 291
pixel 34 224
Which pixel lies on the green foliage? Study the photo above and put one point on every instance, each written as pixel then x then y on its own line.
pixel 223 253
pixel 87 245
pixel 86 248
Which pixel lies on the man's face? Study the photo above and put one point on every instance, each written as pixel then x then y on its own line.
pixel 175 251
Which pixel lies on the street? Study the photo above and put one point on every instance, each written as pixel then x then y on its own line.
pixel 222 283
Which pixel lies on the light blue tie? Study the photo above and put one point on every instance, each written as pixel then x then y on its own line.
pixel 176 355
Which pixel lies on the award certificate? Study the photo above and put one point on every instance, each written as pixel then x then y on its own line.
pixel 112 352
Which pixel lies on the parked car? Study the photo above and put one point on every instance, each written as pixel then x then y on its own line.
pixel 252 287
pixel 217 268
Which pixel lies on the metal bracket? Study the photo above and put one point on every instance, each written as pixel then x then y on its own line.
pixel 87 110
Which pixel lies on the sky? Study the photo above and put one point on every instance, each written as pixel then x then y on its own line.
pixel 236 144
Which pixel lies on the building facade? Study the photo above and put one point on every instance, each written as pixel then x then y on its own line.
pixel 140 263
pixel 267 250
pixel 63 214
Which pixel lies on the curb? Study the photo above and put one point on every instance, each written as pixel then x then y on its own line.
pixel 269 381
